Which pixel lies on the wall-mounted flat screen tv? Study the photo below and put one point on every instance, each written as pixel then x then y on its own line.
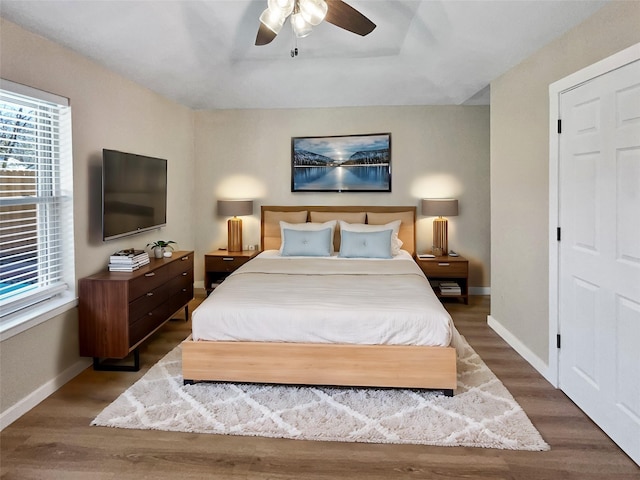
pixel 134 194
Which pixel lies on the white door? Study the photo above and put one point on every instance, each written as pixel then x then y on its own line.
pixel 599 274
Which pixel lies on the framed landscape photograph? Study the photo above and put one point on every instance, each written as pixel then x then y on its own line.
pixel 344 163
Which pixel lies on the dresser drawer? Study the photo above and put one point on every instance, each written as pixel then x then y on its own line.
pixel 179 299
pixel 143 326
pixel 181 294
pixel 181 286
pixel 148 281
pixel 226 264
pixel 147 302
pixel 182 265
pixel 445 269
pixel 141 306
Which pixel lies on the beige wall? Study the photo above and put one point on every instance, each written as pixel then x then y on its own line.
pixel 437 151
pixel 107 112
pixel 520 169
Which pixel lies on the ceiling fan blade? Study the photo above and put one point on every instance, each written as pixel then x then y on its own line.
pixel 345 16
pixel 265 35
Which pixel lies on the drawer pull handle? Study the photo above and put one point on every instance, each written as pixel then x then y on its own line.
pixel 150 274
pixel 444 264
pixel 150 294
pixel 184 289
pixel 184 258
pixel 150 314
pixel 184 274
pixel 228 259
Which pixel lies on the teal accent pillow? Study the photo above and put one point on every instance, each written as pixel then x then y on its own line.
pixel 307 243
pixel 366 244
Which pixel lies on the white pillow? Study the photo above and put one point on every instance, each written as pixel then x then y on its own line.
pixel 396 243
pixel 307 226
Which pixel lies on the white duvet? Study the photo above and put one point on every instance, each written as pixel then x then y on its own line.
pixel 325 300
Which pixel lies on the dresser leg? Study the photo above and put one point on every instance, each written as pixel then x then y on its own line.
pixel 186 314
pixel 104 366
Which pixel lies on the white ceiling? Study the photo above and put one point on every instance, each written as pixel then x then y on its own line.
pixel 201 53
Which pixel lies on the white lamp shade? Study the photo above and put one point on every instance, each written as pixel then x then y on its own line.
pixel 283 6
pixel 300 26
pixel 440 207
pixel 273 20
pixel 313 11
pixel 234 208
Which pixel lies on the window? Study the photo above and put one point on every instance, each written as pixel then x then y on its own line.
pixel 36 209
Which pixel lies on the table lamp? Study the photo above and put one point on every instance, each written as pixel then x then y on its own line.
pixel 439 207
pixel 234 208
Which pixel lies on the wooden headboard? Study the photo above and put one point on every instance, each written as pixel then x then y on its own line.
pixel 379 215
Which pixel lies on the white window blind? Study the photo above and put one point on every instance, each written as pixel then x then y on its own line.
pixel 36 211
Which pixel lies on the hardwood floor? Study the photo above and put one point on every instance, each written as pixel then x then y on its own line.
pixel 55 441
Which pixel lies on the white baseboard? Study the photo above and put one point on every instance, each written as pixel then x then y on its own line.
pixel 535 361
pixel 14 412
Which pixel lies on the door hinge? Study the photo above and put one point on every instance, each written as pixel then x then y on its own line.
pixel 559 126
pixel 558 233
pixel 558 341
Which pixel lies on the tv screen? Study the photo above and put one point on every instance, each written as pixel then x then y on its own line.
pixel 134 193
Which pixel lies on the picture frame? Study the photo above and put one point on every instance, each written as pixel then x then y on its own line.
pixel 341 163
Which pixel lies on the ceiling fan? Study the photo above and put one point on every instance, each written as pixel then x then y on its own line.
pixel 305 14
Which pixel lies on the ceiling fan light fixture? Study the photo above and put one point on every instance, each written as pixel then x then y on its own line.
pixel 273 20
pixel 285 7
pixel 305 14
pixel 313 11
pixel 300 26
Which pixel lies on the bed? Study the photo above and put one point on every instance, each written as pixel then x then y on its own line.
pixel 295 316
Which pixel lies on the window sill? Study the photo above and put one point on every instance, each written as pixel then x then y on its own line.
pixel 33 316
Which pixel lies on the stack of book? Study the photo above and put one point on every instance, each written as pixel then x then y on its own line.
pixel 128 260
pixel 450 288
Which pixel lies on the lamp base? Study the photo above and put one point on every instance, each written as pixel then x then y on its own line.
pixel 234 235
pixel 440 237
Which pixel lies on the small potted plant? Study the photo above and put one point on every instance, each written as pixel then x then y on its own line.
pixel 159 247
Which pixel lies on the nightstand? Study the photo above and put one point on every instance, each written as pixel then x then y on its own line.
pixel 220 263
pixel 447 268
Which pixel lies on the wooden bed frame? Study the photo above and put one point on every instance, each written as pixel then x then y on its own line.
pixel 323 364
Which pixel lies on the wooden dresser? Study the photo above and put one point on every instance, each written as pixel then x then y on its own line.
pixel 118 310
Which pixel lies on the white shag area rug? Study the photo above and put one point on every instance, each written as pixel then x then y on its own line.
pixel 482 413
